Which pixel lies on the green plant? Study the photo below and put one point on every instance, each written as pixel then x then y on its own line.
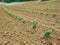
pixel 41 13
pixel 46 14
pixel 23 21
pixel 16 17
pixel 19 18
pixel 47 9
pixel 54 15
pixel 47 33
pixel 12 15
pixel 35 23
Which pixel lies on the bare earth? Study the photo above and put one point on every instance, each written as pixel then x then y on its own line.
pixel 14 32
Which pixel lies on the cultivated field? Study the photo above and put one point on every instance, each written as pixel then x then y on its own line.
pixel 32 23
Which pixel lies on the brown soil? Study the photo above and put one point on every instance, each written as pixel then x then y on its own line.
pixel 14 32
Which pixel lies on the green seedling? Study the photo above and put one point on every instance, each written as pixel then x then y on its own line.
pixel 12 15
pixel 41 13
pixel 47 9
pixel 19 18
pixel 54 15
pixel 16 17
pixel 23 21
pixel 35 23
pixel 46 14
pixel 9 14
pixel 47 33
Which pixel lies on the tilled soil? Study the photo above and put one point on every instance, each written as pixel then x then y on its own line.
pixel 14 32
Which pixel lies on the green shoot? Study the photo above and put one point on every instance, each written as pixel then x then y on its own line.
pixel 19 18
pixel 46 14
pixel 23 21
pixel 54 15
pixel 35 23
pixel 47 9
pixel 41 13
pixel 47 33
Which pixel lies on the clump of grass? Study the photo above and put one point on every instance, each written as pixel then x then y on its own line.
pixel 48 33
pixel 35 23
pixel 54 15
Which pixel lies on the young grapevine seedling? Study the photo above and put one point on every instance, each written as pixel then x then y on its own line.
pixel 35 23
pixel 23 21
pixel 47 33
pixel 54 15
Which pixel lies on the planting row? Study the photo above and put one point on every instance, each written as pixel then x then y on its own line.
pixel 34 23
pixel 36 12
pixel 47 19
pixel 52 10
pixel 33 14
pixel 45 16
pixel 14 16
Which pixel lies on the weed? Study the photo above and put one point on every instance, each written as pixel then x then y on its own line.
pixel 35 22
